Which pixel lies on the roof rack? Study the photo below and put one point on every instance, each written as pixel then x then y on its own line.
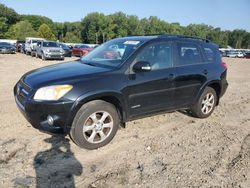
pixel 183 36
pixel 161 35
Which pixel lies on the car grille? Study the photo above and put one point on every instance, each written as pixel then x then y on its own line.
pixel 58 51
pixel 22 92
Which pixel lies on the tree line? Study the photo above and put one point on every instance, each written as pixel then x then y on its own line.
pixel 98 28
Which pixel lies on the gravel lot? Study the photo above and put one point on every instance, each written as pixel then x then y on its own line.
pixel 169 150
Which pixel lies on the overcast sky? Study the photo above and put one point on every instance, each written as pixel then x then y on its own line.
pixel 226 14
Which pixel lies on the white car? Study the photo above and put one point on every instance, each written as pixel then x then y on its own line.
pixel 235 54
pixel 30 44
pixel 240 54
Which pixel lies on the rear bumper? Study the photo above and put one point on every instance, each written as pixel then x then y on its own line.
pixel 224 83
pixel 224 87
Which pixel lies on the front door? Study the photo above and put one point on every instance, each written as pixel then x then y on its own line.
pixel 152 91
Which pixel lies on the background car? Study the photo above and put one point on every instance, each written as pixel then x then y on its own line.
pixel 49 50
pixel 19 45
pixel 247 55
pixel 30 45
pixel 81 50
pixel 67 50
pixel 240 54
pixel 7 48
pixel 232 54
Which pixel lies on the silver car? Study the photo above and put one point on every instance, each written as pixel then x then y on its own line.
pixel 49 50
pixel 7 48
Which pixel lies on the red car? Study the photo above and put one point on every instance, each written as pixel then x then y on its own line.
pixel 81 50
pixel 247 55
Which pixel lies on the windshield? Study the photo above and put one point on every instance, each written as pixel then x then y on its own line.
pixel 50 44
pixel 81 46
pixel 112 53
pixel 64 46
pixel 5 44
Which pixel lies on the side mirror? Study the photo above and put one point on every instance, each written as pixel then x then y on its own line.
pixel 142 66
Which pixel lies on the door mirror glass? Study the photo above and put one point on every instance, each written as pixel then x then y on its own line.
pixel 142 66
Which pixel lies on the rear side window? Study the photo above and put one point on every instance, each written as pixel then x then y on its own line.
pixel 188 54
pixel 211 53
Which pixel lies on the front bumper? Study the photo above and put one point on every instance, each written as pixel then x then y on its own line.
pixel 36 113
pixel 7 51
pixel 67 53
pixel 51 55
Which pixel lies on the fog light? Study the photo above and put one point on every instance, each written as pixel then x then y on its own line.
pixel 50 120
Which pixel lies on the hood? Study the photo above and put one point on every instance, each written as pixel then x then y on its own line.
pixel 63 72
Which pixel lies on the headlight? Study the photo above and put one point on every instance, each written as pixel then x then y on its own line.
pixel 50 93
pixel 61 50
pixel 47 50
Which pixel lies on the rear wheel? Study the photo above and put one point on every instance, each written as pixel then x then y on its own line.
pixel 95 124
pixel 206 103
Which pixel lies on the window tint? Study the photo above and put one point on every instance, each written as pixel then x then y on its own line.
pixel 210 53
pixel 158 55
pixel 188 53
pixel 50 44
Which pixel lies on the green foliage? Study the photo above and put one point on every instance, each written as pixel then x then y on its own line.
pixel 11 16
pixel 3 27
pixel 36 21
pixel 21 30
pixel 70 37
pixel 44 31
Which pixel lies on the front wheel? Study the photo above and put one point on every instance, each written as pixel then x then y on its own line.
pixel 206 103
pixel 95 124
pixel 43 57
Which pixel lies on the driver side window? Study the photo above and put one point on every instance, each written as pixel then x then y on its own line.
pixel 159 55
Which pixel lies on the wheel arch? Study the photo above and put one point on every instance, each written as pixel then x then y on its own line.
pixel 216 85
pixel 109 96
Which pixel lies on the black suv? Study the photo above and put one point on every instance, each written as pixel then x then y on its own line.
pixel 122 80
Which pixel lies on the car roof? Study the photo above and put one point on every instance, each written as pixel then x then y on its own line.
pixel 169 36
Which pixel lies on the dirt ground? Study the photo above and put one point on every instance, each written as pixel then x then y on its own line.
pixel 169 150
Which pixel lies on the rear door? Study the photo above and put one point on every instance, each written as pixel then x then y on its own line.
pixel 152 91
pixel 192 71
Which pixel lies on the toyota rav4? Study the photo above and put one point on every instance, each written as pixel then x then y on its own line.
pixel 122 80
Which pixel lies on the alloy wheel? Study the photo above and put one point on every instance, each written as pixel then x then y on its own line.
pixel 98 127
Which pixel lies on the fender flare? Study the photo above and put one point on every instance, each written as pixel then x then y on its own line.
pixel 101 95
pixel 205 85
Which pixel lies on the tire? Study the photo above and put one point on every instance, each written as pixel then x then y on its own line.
pixel 88 127
pixel 43 57
pixel 206 103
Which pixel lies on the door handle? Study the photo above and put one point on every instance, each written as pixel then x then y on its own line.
pixel 205 71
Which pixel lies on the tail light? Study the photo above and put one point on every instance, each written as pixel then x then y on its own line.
pixel 224 65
